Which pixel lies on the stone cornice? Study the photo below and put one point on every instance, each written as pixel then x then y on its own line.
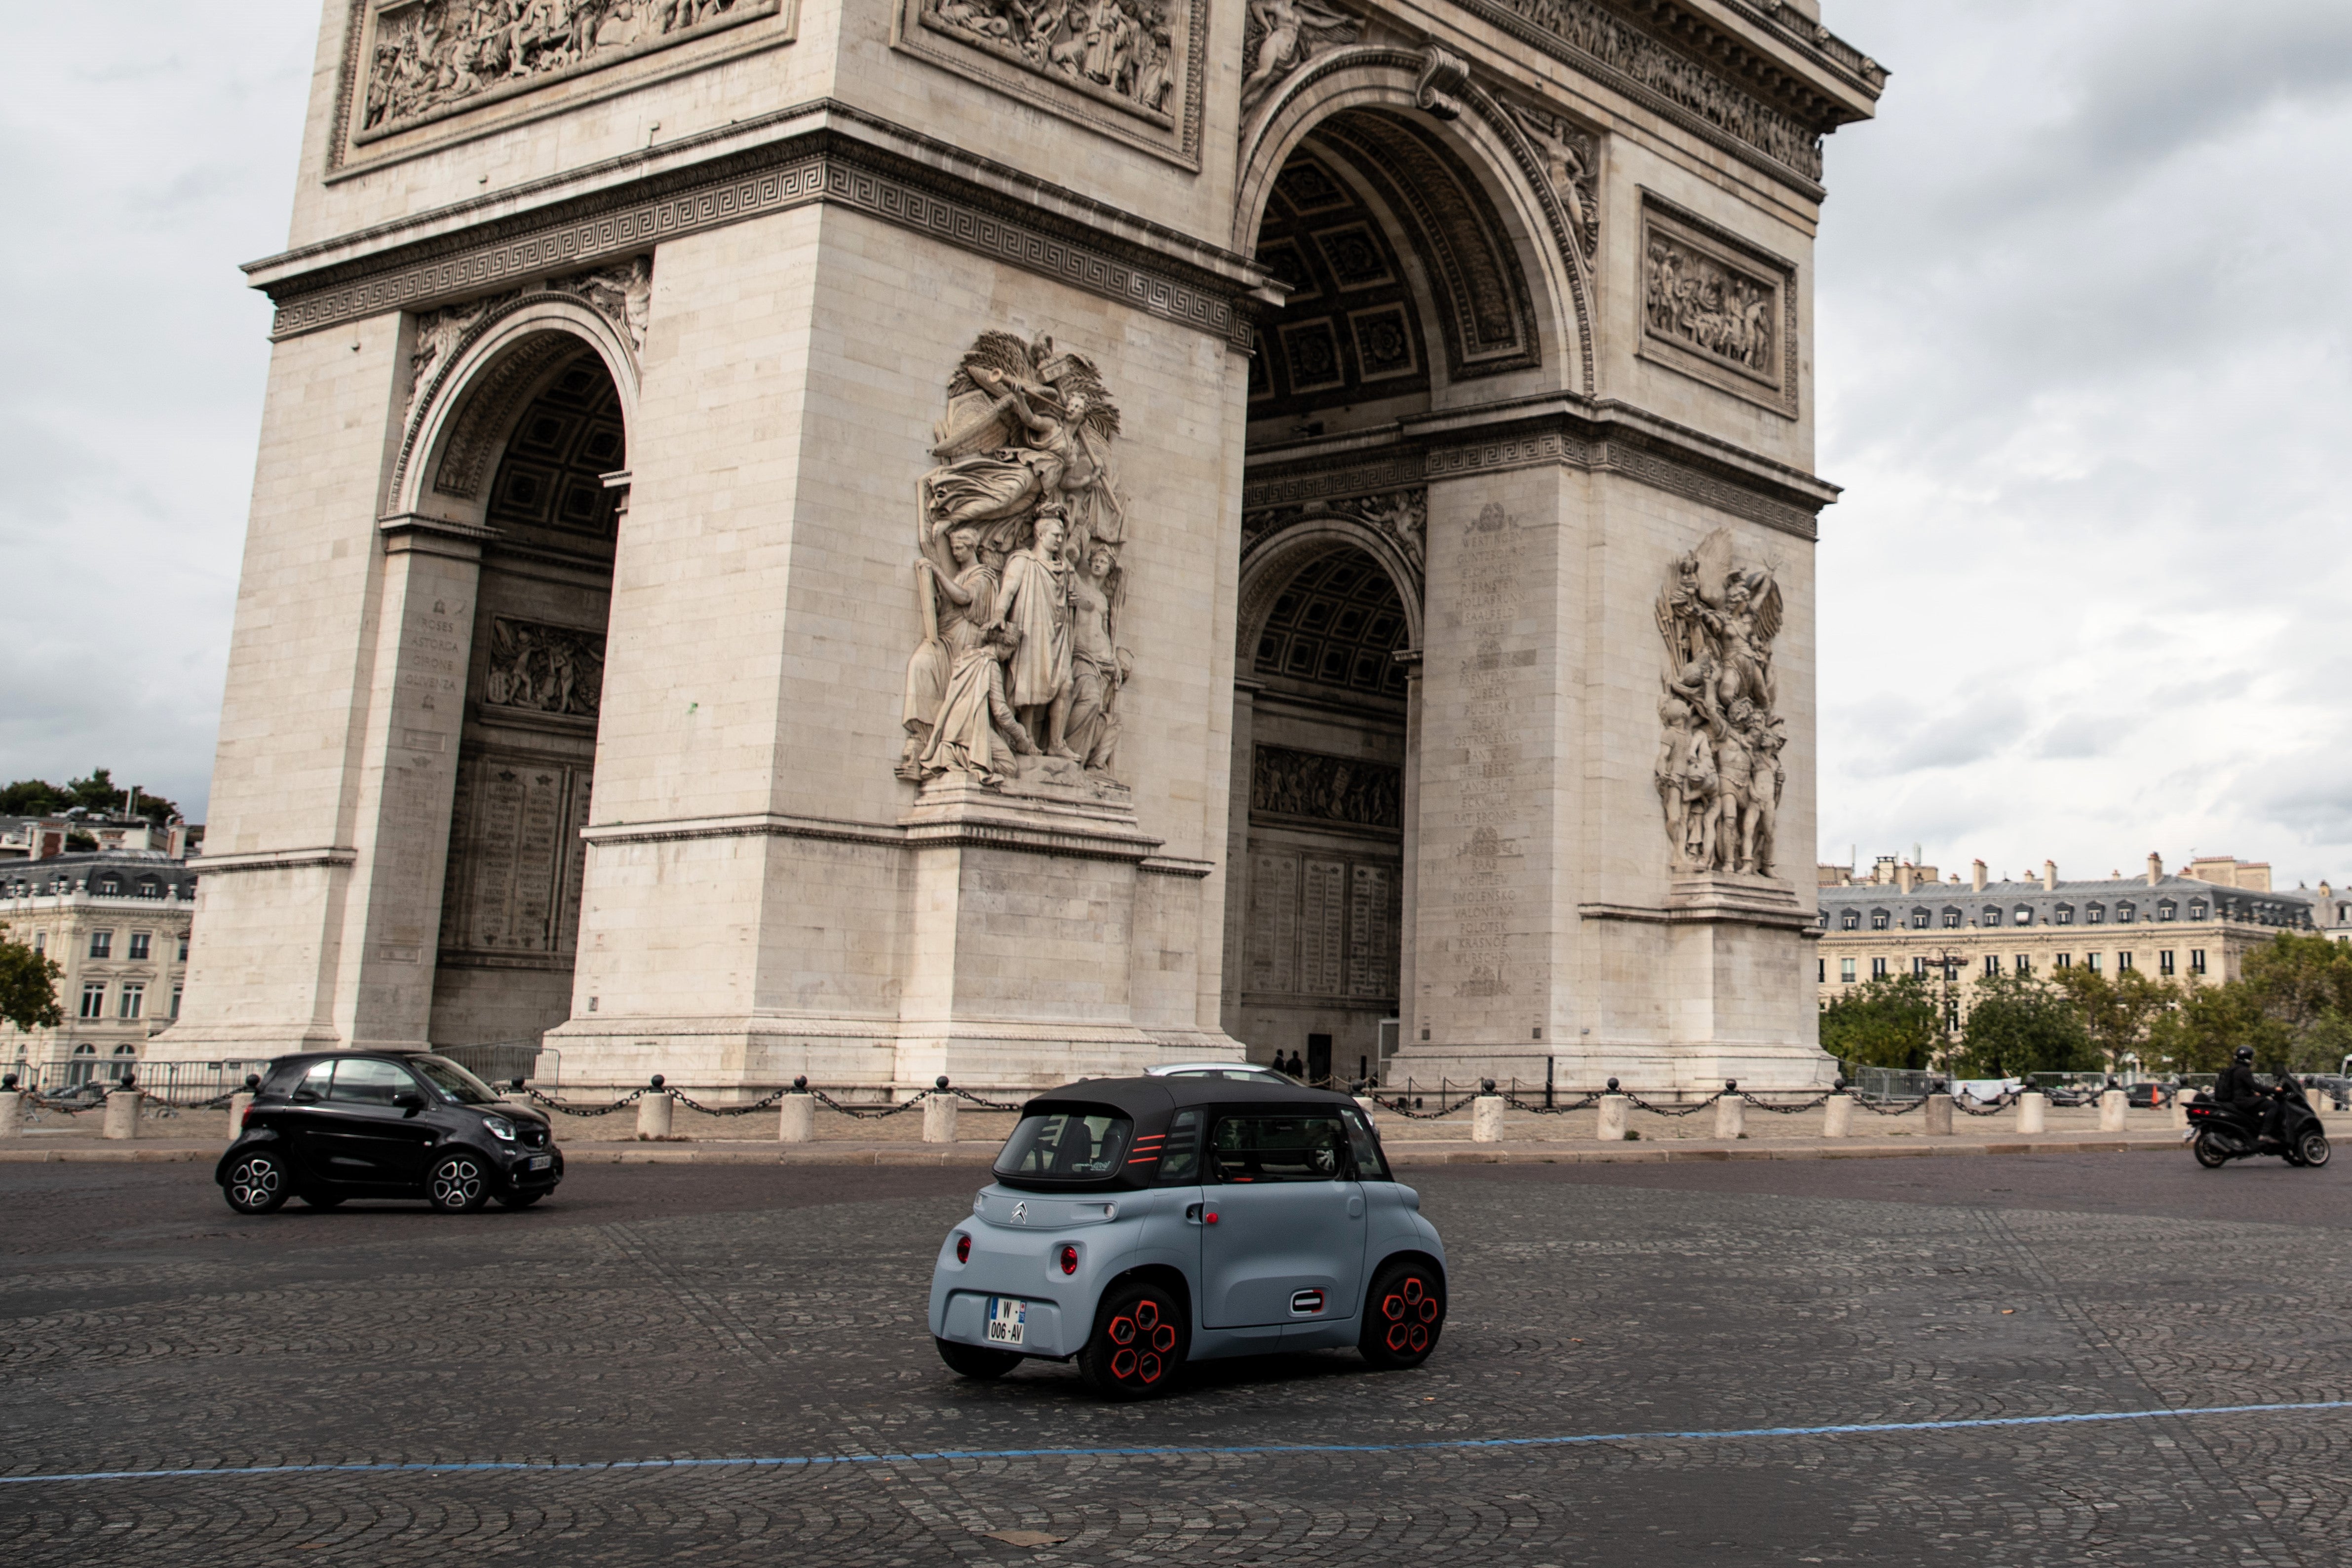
pixel 1011 830
pixel 823 152
pixel 1601 435
pixel 276 859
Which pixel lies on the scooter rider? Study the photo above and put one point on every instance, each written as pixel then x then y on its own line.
pixel 2236 1087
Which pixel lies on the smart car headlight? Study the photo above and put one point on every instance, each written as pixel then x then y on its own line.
pixel 500 1128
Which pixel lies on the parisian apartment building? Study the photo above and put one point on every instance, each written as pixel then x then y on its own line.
pixel 117 921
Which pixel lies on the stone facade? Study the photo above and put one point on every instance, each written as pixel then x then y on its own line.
pixel 118 923
pixel 940 536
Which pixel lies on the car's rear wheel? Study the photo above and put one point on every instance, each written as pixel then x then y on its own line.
pixel 257 1185
pixel 2209 1152
pixel 521 1200
pixel 1403 1314
pixel 2313 1147
pixel 458 1183
pixel 1138 1348
pixel 975 1361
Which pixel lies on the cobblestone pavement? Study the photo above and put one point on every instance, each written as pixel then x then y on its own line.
pixel 649 1313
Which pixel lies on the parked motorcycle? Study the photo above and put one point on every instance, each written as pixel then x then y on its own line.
pixel 2219 1134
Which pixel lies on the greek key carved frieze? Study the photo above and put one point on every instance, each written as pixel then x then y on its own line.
pixel 1309 784
pixel 425 60
pixel 543 669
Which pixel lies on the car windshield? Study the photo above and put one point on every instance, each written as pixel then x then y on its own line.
pixel 453 1080
pixel 1067 1146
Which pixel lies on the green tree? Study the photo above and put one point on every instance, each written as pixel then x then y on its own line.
pixel 28 986
pixel 2213 1022
pixel 2019 1024
pixel 1885 1023
pixel 98 793
pixel 2116 1013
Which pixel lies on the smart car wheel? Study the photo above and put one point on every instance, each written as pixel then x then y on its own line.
pixel 975 1361
pixel 257 1185
pixel 1138 1348
pixel 459 1185
pixel 2209 1152
pixel 2313 1147
pixel 1404 1315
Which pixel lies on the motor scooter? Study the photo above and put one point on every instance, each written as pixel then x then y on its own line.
pixel 2219 1134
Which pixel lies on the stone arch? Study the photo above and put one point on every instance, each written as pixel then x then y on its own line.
pixel 473 380
pixel 1433 93
pixel 1272 563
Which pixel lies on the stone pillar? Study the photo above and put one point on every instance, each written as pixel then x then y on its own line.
pixel 2113 1106
pixel 654 1112
pixel 12 1109
pixel 1409 1016
pixel 796 1118
pixel 2179 1108
pixel 1612 1118
pixel 1939 1114
pixel 238 1105
pixel 940 1118
pixel 1730 1114
pixel 2033 1111
pixel 1837 1117
pixel 1237 857
pixel 1487 1119
pixel 120 1117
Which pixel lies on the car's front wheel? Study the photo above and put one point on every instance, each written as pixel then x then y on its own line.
pixel 1403 1314
pixel 1138 1348
pixel 257 1185
pixel 459 1185
pixel 975 1361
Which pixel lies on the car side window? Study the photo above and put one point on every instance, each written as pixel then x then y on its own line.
pixel 1180 1154
pixel 1370 1166
pixel 370 1083
pixel 315 1081
pixel 1270 1149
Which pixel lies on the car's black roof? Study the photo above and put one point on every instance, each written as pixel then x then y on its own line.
pixel 1141 1097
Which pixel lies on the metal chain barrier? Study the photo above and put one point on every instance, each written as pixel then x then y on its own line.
pixel 629 1099
pixel 1814 1103
pixel 1400 1104
pixel 1581 1102
pixel 1877 1110
pixel 1642 1104
pixel 2000 1102
pixel 683 1098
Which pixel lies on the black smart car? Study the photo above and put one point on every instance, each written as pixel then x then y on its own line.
pixel 385 1123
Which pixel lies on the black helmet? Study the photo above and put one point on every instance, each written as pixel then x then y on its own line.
pixel 2245 1053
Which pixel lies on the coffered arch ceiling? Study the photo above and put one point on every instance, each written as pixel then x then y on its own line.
pixel 1383 235
pixel 1338 622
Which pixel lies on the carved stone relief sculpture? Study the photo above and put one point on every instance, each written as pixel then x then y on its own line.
pixel 1705 303
pixel 543 669
pixel 1572 161
pixel 1019 585
pixel 1718 773
pixel 621 292
pixel 1124 50
pixel 1400 516
pixel 1280 36
pixel 426 58
pixel 1310 784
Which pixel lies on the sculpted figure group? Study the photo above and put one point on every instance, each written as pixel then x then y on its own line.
pixel 1018 581
pixel 1719 772
pixel 1120 47
pixel 1697 300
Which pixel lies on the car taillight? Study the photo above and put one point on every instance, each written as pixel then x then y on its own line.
pixel 963 1249
pixel 1069 1259
pixel 247 1120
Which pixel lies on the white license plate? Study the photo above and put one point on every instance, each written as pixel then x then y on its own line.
pixel 1008 1320
pixel 539 1162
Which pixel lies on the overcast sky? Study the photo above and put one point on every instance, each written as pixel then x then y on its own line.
pixel 2081 340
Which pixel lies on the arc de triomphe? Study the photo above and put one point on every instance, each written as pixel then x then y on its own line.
pixel 1022 540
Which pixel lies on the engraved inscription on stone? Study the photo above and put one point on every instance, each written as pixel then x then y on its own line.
pixel 543 669
pixel 1371 931
pixel 1274 922
pixel 428 58
pixel 1485 885
pixel 1330 788
pixel 1322 928
pixel 515 857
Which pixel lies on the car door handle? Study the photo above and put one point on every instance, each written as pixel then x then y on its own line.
pixel 1192 1214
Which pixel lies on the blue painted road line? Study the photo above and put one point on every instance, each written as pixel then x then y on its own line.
pixel 1454 1445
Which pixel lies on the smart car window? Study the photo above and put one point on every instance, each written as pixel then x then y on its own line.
pixel 1069 1145
pixel 1260 1148
pixel 315 1083
pixel 454 1081
pixel 1180 1154
pixel 1370 1166
pixel 369 1083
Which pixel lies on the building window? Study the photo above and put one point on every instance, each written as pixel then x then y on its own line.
pixel 40 941
pixel 85 1064
pixel 1952 919
pixel 2025 963
pixel 175 999
pixel 1992 914
pixel 1825 922
pixel 135 999
pixel 2062 961
pixel 2126 913
pixel 139 944
pixel 123 1056
pixel 2196 909
pixel 149 888
pixel 2091 962
pixel 2095 912
pixel 1878 920
pixel 1823 975
pixel 1845 971
pixel 2164 962
pixel 2196 960
pixel 1918 920
pixel 183 947
pixel 2025 914
pixel 102 944
pixel 2123 962
pixel 1878 968
pixel 1919 967
pixel 1992 965
pixel 93 999
pixel 1952 1015
pixel 1850 921
pixel 109 885
pixel 2065 915
pixel 2166 910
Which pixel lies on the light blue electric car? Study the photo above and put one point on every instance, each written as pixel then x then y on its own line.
pixel 1139 1224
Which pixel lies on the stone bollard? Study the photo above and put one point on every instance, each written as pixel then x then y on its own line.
pixel 796 1117
pixel 2113 1106
pixel 939 1115
pixel 1939 1112
pixel 1613 1106
pixel 2032 1111
pixel 12 1108
pixel 238 1105
pixel 1486 1115
pixel 1837 1115
pixel 2180 1109
pixel 120 1119
pixel 1730 1111
pixel 653 1112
